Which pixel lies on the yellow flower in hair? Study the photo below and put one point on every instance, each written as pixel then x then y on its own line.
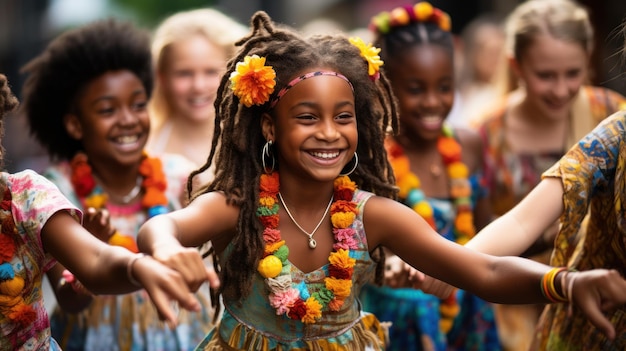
pixel 370 54
pixel 253 82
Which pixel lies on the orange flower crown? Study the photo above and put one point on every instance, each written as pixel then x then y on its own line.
pixel 401 16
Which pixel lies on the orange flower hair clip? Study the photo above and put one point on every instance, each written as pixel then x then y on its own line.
pixel 401 16
pixel 370 54
pixel 252 81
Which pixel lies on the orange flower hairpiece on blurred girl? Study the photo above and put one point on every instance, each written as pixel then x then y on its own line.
pixel 252 81
pixel 370 54
pixel 401 16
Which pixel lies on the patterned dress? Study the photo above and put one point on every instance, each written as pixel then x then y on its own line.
pixel 593 178
pixel 130 322
pixel 254 325
pixel 415 315
pixel 34 201
pixel 510 176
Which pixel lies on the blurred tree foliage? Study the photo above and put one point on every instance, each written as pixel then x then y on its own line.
pixel 151 12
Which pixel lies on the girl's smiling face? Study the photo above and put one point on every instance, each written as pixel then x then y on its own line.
pixel 552 71
pixel 422 78
pixel 314 128
pixel 111 119
pixel 190 76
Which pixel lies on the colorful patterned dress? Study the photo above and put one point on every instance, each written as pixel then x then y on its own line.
pixel 510 176
pixel 415 315
pixel 33 200
pixel 254 325
pixel 594 179
pixel 130 322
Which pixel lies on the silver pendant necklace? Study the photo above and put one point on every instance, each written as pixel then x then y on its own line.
pixel 312 242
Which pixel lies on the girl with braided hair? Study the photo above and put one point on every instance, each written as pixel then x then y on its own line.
pixel 438 170
pixel 302 203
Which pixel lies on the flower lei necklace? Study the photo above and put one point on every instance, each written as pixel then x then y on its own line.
pixel 91 194
pixel 12 304
pixel 295 301
pixel 460 191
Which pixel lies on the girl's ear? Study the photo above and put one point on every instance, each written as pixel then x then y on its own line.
pixel 72 126
pixel 267 126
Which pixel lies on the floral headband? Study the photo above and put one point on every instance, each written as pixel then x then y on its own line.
pixel 401 16
pixel 253 82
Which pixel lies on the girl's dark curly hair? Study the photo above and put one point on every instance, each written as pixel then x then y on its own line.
pixel 8 103
pixel 71 61
pixel 238 140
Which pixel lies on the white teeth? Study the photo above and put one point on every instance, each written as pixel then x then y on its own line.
pixel 199 101
pixel 431 119
pixel 127 139
pixel 325 155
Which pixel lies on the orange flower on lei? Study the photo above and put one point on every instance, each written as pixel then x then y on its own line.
pixel 153 184
pixel 460 191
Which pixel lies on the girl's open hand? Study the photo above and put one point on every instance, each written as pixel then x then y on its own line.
pixel 597 291
pixel 188 262
pixel 164 285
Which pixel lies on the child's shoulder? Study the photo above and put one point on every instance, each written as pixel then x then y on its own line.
pixel 26 180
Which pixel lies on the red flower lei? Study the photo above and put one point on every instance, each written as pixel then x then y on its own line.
pixel 295 301
pixel 460 191
pixel 12 304
pixel 153 185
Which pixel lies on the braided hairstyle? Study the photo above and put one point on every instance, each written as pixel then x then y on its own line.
pixel 238 140
pixel 8 103
pixel 70 62
pixel 406 27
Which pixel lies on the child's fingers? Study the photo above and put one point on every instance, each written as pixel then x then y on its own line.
pixel 213 278
pixel 164 309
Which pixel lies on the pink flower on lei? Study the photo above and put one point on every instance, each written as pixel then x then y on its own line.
pixel 283 300
pixel 345 239
pixel 271 235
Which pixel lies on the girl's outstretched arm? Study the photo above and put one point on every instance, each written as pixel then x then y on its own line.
pixel 106 269
pixel 509 280
pixel 173 238
pixel 514 232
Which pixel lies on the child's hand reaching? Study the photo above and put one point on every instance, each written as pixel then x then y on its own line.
pixel 163 284
pixel 595 292
pixel 98 223
pixel 188 262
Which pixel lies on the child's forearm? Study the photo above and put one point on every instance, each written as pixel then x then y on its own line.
pixel 159 231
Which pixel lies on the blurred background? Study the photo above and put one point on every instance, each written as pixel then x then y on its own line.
pixel 26 26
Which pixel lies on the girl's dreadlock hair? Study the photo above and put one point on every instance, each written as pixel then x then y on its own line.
pixel 8 103
pixel 402 29
pixel 71 61
pixel 238 140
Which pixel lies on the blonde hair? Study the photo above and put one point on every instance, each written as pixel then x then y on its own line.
pixel 215 26
pixel 561 19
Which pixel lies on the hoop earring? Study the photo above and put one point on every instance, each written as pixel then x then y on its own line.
pixel 268 153
pixel 356 163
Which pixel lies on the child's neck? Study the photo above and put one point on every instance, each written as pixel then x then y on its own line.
pixel 305 195
pixel 117 182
